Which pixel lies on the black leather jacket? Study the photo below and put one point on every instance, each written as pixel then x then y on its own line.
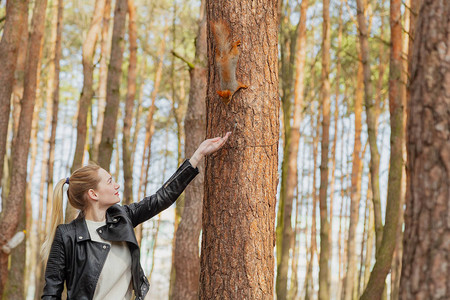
pixel 77 261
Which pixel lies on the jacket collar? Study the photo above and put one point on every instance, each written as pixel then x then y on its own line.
pixel 81 230
pixel 113 212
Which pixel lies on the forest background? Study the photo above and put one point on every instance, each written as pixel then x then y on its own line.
pixel 137 68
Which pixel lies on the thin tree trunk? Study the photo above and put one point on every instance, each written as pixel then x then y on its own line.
pixel 87 93
pixel 370 237
pixel 398 252
pixel 292 138
pixel 113 85
pixel 288 38
pixel 425 270
pixel 186 253
pixel 15 23
pixel 355 190
pixel 48 100
pixel 155 240
pixel 178 109
pixel 371 119
pixel 308 250
pixel 138 111
pixel 105 50
pixel 316 128
pixel 52 99
pixel 149 126
pixel 336 117
pixel 14 202
pixel 129 106
pixel 15 286
pixel 376 284
pixel 359 281
pixel 325 246
pixel 341 213
pixel 248 160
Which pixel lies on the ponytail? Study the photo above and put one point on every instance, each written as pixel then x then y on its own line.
pixel 56 218
pixel 81 181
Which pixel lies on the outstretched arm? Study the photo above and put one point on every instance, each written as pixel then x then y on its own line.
pixel 207 147
pixel 150 206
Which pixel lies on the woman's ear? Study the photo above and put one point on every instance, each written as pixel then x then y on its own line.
pixel 92 195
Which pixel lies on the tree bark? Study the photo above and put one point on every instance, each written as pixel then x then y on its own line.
pixel 313 245
pixel 398 252
pixel 425 270
pixel 370 237
pixel 129 106
pixel 150 126
pixel 14 201
pixel 52 100
pixel 240 180
pixel 355 189
pixel 113 85
pixel 88 76
pixel 186 253
pixel 15 22
pixel 325 246
pixel 376 284
pixel 105 50
pixel 292 137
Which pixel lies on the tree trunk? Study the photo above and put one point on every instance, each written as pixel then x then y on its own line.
pixel 14 201
pixel 87 93
pixel 52 100
pixel 292 138
pixel 355 189
pixel 150 127
pixel 316 129
pixel 238 223
pixel 425 270
pixel 186 252
pixel 336 117
pixel 371 120
pixel 105 50
pixel 325 246
pixel 113 85
pixel 15 286
pixel 129 106
pixel 398 252
pixel 370 240
pixel 15 23
pixel 178 103
pixel 376 284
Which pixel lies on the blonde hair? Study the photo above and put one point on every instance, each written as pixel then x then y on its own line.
pixel 81 181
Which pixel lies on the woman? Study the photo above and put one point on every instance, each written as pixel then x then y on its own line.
pixel 97 254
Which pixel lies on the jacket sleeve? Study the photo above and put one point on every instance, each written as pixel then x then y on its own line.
pixel 150 206
pixel 55 270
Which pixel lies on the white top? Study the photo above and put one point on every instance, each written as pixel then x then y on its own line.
pixel 114 281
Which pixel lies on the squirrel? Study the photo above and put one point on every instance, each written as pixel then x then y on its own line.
pixel 227 54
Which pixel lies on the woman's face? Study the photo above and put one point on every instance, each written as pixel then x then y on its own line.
pixel 107 191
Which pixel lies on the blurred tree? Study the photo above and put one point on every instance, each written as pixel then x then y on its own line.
pixel 425 269
pixel 14 203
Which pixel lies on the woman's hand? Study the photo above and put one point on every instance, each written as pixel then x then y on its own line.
pixel 207 147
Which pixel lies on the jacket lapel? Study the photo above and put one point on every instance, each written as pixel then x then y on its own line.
pixel 82 232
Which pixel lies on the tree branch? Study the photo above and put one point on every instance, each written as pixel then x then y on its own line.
pixel 190 65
